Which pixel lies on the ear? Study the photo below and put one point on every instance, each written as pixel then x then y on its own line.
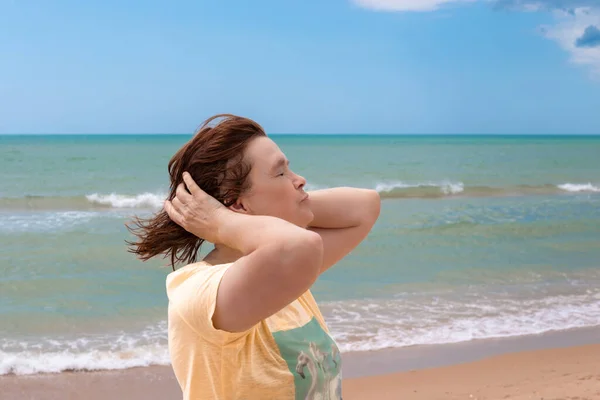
pixel 240 207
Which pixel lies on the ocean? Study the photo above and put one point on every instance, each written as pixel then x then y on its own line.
pixel 479 237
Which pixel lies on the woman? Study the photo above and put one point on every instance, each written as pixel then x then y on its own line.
pixel 243 323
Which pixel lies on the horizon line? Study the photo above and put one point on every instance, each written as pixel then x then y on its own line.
pixel 308 134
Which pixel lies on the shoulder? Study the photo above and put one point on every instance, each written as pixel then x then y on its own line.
pixel 192 293
pixel 193 277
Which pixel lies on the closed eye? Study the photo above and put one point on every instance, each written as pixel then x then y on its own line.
pixel 287 166
pixel 281 166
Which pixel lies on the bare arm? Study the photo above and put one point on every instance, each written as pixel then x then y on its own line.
pixel 343 218
pixel 281 261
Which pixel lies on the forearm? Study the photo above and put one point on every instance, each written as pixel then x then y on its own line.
pixel 343 207
pixel 248 233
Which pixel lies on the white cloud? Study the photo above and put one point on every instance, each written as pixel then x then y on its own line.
pixel 533 7
pixel 406 5
pixel 566 5
pixel 572 18
pixel 569 27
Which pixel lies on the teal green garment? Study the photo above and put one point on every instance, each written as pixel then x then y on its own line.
pixel 313 359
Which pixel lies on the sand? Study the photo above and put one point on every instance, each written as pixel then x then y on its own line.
pixel 571 373
pixel 483 370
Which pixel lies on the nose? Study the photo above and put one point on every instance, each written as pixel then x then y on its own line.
pixel 299 181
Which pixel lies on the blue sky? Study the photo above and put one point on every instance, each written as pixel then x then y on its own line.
pixel 337 66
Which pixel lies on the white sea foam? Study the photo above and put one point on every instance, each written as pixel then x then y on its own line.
pixel 372 325
pixel 579 187
pixel 357 325
pixel 95 352
pixel 144 200
pixel 34 362
pixel 445 187
pixel 45 221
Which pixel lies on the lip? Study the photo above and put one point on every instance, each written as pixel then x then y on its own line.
pixel 304 198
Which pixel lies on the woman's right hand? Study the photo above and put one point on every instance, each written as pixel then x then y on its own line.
pixel 197 212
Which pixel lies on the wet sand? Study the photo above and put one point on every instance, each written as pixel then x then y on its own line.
pixel 571 373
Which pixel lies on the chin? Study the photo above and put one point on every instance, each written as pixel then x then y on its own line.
pixel 308 219
pixel 302 219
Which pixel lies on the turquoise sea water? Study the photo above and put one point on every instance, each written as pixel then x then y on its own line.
pixel 479 237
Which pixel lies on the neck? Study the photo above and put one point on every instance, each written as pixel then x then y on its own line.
pixel 222 254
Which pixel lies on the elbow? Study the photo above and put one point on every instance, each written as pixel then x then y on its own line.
pixel 373 206
pixel 309 253
pixel 313 250
pixel 304 257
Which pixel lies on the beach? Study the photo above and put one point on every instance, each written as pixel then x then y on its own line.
pixel 560 365
pixel 443 156
pixel 486 250
pixel 565 373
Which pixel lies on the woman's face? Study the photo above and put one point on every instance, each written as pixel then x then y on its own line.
pixel 274 189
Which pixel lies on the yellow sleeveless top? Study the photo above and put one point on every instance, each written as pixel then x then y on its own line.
pixel 289 355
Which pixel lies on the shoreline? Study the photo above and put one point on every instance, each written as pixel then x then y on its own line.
pixel 570 359
pixel 568 373
pixel 392 360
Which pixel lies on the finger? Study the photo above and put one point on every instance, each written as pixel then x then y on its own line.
pixel 178 205
pixel 191 184
pixel 182 194
pixel 172 213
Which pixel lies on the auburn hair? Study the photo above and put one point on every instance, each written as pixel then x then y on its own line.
pixel 214 157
